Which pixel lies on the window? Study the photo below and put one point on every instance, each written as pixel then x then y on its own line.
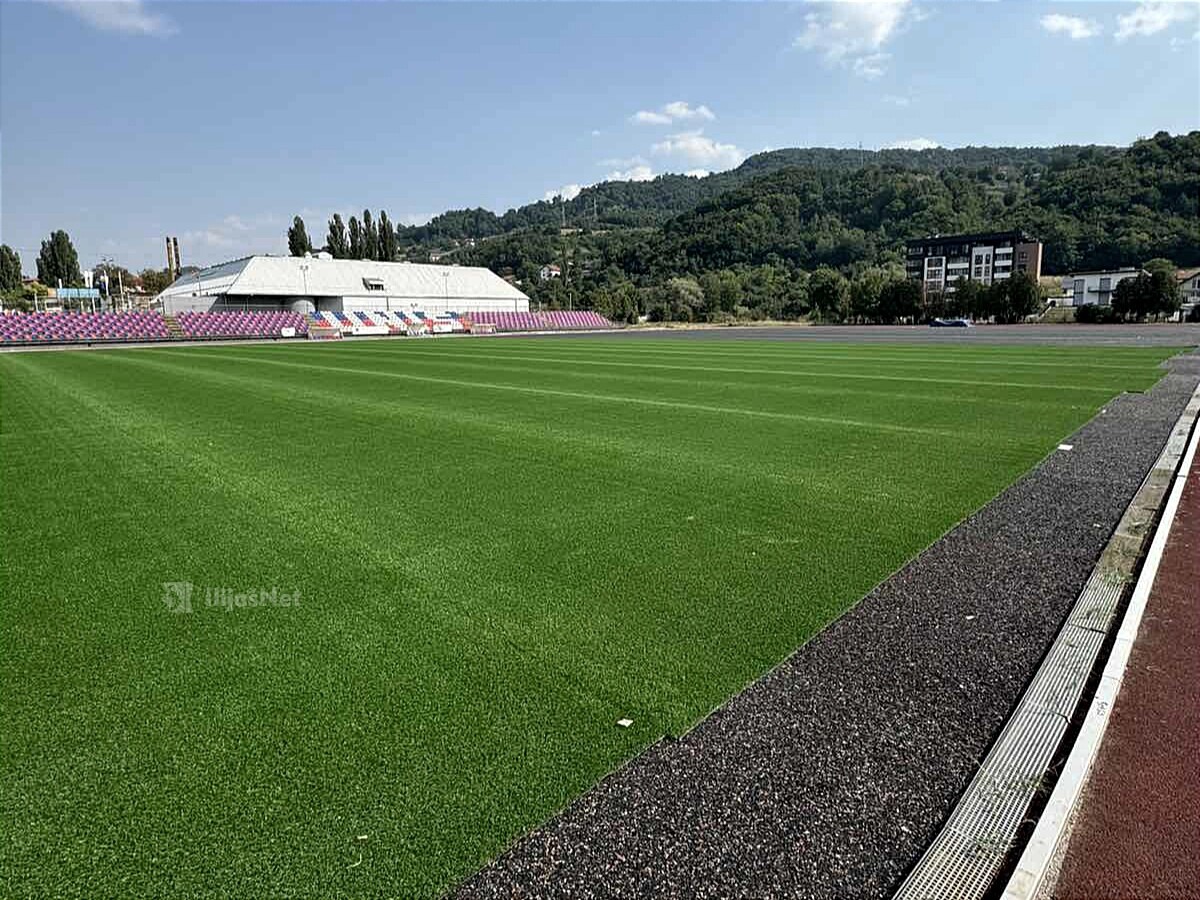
pixel 373 284
pixel 1105 284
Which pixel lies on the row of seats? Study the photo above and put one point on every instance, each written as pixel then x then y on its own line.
pixel 40 327
pixel 396 321
pixel 551 320
pixel 141 326
pixel 238 323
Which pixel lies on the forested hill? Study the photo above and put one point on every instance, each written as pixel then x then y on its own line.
pixel 1095 210
pixel 760 240
pixel 648 203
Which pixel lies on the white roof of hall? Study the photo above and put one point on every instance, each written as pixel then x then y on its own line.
pixel 284 276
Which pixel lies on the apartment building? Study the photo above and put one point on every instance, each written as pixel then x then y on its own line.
pixel 940 260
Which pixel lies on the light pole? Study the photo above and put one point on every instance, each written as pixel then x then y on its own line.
pixel 106 261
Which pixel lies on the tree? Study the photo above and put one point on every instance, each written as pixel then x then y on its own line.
pixel 58 261
pixel 899 299
pixel 865 291
pixel 155 281
pixel 828 292
pixel 1148 294
pixel 118 277
pixel 335 242
pixel 967 299
pixel 10 269
pixel 1130 297
pixel 387 238
pixel 354 248
pixel 298 242
pixel 1159 264
pixel 370 237
pixel 1165 296
pixel 1023 297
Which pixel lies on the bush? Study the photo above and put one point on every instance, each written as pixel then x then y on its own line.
pixel 1091 314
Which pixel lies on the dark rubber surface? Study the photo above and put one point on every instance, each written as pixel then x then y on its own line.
pixel 1161 335
pixel 1138 830
pixel 829 776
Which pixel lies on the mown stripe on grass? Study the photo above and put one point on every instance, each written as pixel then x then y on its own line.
pixel 604 398
pixel 644 375
pixel 807 373
pixel 969 356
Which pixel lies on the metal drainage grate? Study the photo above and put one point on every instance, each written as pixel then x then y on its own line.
pixel 967 854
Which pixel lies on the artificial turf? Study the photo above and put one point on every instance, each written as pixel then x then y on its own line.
pixel 501 547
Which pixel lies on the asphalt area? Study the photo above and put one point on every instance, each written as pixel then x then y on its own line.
pixel 1164 334
pixel 1137 831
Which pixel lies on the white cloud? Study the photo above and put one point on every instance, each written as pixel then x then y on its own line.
pixel 640 172
pixel 595 132
pixel 238 235
pixel 1152 17
pixel 697 173
pixel 700 150
pixel 1178 44
pixel 853 33
pixel 871 66
pixel 1074 27
pixel 124 16
pixel 567 192
pixel 679 110
pixel 676 111
pixel 896 100
pixel 622 162
pixel 920 143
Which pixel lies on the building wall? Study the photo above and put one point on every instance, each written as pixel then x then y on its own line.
pixel 1095 288
pixel 173 305
pixel 1189 290
pixel 1029 258
pixel 938 262
pixel 368 302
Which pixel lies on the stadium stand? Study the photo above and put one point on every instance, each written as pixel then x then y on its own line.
pixel 579 318
pixel 201 325
pixel 25 328
pixel 38 327
pixel 553 320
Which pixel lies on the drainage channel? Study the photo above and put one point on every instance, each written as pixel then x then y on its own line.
pixel 969 853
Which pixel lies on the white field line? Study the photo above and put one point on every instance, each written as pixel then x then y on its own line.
pixel 1043 845
pixel 603 398
pixel 808 353
pixel 807 373
pixel 808 388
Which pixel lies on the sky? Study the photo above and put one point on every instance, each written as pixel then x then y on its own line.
pixel 123 122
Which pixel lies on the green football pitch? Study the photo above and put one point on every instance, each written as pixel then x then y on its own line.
pixel 491 550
